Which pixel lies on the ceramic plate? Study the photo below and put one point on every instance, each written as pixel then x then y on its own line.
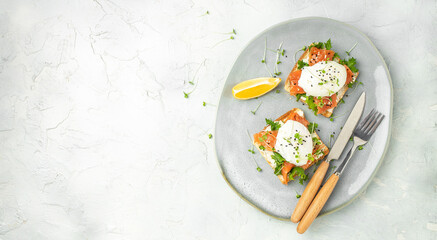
pixel 263 190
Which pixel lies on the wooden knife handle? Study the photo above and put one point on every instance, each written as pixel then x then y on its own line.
pixel 317 204
pixel 309 192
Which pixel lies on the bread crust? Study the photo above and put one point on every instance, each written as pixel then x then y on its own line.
pixel 267 154
pixel 340 94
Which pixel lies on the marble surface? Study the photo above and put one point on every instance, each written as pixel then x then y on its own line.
pixel 98 141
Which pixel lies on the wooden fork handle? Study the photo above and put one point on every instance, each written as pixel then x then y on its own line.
pixel 309 192
pixel 318 203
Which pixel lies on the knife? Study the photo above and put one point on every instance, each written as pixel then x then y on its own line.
pixel 336 150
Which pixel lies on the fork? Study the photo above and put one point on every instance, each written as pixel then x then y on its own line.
pixel 361 135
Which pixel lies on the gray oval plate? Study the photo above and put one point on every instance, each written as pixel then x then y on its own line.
pixel 263 190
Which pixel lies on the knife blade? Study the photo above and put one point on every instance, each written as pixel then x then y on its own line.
pixel 336 150
pixel 347 130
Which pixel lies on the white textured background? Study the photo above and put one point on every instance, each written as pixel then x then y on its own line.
pixel 98 142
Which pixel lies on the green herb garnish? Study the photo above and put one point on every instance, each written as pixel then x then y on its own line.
pixel 316 141
pixel 360 147
pixel 262 148
pixel 310 157
pixel 328 44
pixel 312 127
pixel 298 137
pixel 321 45
pixel 311 104
pixel 210 136
pixel 299 172
pixel 258 169
pixel 274 125
pixel 350 63
pixel 263 138
pixel 319 152
pixel 318 45
pixel 279 160
pixel 301 64
pixel 299 95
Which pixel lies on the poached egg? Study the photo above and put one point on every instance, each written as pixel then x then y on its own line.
pixel 323 78
pixel 294 143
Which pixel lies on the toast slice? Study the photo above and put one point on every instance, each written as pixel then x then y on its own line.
pixel 305 57
pixel 321 149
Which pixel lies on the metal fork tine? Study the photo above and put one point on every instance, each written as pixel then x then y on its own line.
pixel 376 125
pixel 366 124
pixel 366 118
pixel 367 130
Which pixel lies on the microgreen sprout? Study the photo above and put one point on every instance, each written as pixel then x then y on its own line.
pixel 297 195
pixel 191 82
pixel 331 137
pixel 265 51
pixel 279 52
pixel 256 109
pixel 265 65
pixel 253 152
pixel 302 49
pixel 350 50
pixel 332 118
pixel 206 13
pixel 333 168
pixel 233 33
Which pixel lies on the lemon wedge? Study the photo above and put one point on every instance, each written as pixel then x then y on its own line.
pixel 254 87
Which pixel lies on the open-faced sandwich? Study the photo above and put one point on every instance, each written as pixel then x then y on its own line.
pixel 320 78
pixel 290 145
